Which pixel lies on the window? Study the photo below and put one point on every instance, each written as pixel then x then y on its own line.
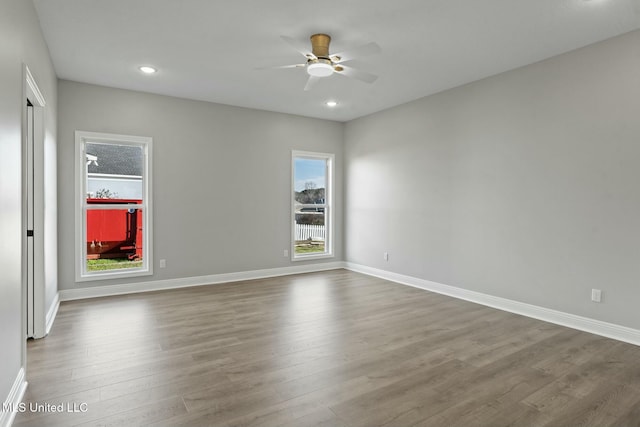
pixel 113 206
pixel 312 234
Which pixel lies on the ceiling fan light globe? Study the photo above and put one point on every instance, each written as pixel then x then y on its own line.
pixel 319 69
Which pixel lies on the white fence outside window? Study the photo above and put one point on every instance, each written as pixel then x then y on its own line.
pixel 309 231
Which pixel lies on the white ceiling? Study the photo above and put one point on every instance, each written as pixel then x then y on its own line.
pixel 210 49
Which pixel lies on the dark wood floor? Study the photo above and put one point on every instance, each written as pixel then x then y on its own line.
pixel 324 349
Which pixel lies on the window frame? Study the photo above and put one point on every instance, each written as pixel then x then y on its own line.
pixel 81 206
pixel 327 206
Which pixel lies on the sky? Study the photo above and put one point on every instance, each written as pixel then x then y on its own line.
pixel 306 170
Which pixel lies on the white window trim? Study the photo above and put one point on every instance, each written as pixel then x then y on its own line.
pixel 81 137
pixel 329 216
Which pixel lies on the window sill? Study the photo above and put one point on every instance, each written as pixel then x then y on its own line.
pixel 113 275
pixel 311 257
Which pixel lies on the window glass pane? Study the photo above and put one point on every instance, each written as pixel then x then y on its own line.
pixel 310 231
pixel 114 171
pixel 312 176
pixel 310 180
pixel 114 207
pixel 114 239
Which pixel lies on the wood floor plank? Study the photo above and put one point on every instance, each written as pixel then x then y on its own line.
pixel 602 407
pixel 334 348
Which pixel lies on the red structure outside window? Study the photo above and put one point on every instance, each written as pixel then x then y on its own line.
pixel 114 233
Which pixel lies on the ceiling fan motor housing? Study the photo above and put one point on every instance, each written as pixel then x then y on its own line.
pixel 320 45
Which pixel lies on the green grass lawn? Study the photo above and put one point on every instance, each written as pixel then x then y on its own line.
pixel 112 264
pixel 304 247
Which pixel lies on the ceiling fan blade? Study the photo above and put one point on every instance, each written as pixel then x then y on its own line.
pixel 311 82
pixel 282 66
pixel 364 50
pixel 304 50
pixel 356 74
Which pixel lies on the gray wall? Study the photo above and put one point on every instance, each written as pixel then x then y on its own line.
pixel 21 42
pixel 523 185
pixel 221 178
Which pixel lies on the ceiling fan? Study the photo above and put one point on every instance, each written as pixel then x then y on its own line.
pixel 320 63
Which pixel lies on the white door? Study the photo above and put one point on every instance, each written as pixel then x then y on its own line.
pixel 29 273
pixel 33 207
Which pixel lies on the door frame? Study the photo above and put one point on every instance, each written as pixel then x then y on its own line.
pixel 35 325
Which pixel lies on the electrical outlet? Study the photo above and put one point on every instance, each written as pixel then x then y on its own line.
pixel 285 253
pixel 163 263
pixel 386 256
pixel 596 295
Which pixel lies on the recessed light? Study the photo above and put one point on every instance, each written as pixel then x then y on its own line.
pixel 147 70
pixel 331 103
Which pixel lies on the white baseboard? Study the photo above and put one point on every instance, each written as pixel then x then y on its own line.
pixel 157 285
pixel 10 406
pixel 51 313
pixel 609 330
